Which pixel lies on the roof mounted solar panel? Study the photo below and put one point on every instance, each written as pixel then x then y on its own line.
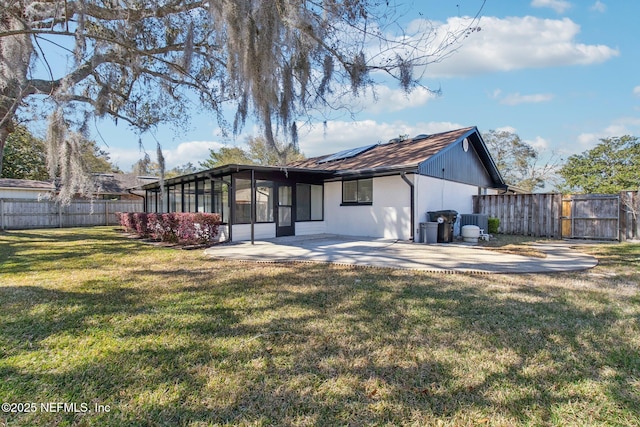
pixel 346 154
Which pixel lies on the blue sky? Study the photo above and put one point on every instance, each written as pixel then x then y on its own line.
pixel 561 74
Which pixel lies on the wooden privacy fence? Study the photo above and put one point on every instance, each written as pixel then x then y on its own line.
pixel 525 214
pixel 585 216
pixel 18 214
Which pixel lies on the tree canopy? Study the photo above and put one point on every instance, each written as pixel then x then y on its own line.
pixel 518 162
pixel 610 167
pixel 141 62
pixel 258 152
pixel 25 157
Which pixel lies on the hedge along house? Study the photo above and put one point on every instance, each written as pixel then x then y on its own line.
pixel 380 190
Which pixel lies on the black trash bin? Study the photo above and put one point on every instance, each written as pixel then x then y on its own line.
pixel 445 220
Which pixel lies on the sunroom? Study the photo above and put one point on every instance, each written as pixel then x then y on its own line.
pixel 254 202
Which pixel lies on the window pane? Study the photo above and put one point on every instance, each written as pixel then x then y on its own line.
pixel 365 190
pixel 264 201
pixel 316 202
pixel 221 200
pixel 225 203
pixel 189 197
pixel 284 195
pixel 175 198
pixel 350 191
pixel 204 196
pixel 243 201
pixel 284 216
pixel 303 200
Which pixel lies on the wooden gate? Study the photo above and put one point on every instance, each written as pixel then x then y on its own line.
pixel 591 216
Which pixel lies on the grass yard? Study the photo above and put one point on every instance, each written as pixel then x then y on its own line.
pixel 159 336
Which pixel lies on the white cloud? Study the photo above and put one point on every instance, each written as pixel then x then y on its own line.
pixel 516 98
pixel 382 99
pixel 391 100
pixel 513 43
pixel 619 127
pixel 191 151
pixel 509 129
pixel 341 135
pixel 539 143
pixel 559 6
pixel 636 91
pixel 598 6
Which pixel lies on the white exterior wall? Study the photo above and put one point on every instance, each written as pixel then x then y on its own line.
pixel 310 227
pixel 22 193
pixel 389 216
pixel 242 232
pixel 433 194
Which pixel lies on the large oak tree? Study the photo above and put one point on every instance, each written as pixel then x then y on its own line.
pixel 610 167
pixel 142 61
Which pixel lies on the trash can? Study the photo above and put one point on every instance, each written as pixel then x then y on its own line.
pixel 428 232
pixel 432 232
pixel 445 220
pixel 422 237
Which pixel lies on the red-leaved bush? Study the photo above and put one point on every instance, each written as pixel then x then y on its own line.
pixel 183 228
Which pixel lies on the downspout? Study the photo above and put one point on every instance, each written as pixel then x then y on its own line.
pixel 144 199
pixel 403 175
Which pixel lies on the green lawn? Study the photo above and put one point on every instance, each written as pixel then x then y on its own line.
pixel 161 336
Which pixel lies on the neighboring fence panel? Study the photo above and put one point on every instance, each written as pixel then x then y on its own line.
pixel 525 214
pixel 584 216
pixel 592 216
pixel 17 214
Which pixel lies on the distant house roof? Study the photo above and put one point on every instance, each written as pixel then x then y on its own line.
pixel 120 183
pixel 407 153
pixel 26 184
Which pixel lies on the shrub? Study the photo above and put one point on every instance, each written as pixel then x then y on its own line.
pixel 126 220
pixel 183 228
pixel 140 222
pixel 494 224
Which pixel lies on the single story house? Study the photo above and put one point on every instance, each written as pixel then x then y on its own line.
pixel 379 190
pixel 109 186
pixel 120 186
pixel 25 189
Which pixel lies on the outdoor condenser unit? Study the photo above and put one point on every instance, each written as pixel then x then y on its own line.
pixel 481 220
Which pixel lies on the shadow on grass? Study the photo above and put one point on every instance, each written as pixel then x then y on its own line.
pixel 233 343
pixel 26 250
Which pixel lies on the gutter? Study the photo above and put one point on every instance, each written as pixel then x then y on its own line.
pixel 403 175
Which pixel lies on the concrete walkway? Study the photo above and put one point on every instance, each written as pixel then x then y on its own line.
pixel 445 258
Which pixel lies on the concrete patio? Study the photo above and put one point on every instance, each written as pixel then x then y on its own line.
pixel 368 252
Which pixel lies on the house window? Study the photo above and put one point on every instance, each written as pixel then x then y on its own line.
pixel 309 202
pixel 357 192
pixel 221 200
pixel 264 201
pixel 189 192
pixel 175 198
pixel 242 201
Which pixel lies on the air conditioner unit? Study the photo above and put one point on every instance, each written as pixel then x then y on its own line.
pixel 481 220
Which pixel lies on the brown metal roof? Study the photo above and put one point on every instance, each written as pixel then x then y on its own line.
pixel 407 153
